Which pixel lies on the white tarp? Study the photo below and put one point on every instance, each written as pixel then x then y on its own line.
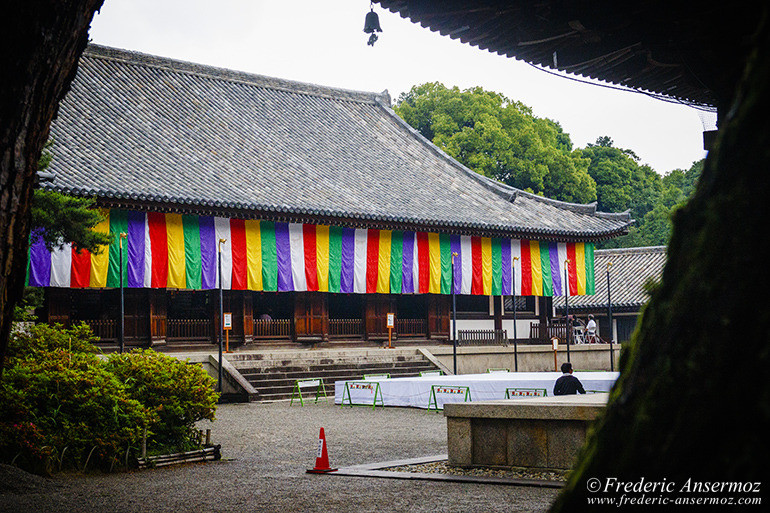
pixel 415 392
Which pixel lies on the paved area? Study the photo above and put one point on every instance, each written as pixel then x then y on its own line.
pixel 266 449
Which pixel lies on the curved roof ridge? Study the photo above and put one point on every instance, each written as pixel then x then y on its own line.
pixel 630 251
pixel 228 75
pixel 503 190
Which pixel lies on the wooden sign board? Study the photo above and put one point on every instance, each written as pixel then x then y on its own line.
pixel 227 321
pixel 391 321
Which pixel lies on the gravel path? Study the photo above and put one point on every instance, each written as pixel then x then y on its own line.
pixel 266 449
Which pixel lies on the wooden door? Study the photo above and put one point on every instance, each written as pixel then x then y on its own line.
pixel 438 316
pixel 378 306
pixel 311 318
pixel 59 304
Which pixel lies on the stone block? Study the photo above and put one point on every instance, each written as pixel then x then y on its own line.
pixel 565 438
pixel 489 442
pixel 527 443
pixel 459 437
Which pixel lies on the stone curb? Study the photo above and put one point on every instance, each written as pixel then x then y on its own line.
pixel 375 470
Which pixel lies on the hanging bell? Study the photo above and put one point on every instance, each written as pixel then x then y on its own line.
pixel 372 22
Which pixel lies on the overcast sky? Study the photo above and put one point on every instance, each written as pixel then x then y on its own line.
pixel 322 42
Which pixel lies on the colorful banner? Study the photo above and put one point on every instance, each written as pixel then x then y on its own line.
pixel 185 252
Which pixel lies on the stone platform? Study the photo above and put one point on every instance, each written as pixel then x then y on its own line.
pixel 542 432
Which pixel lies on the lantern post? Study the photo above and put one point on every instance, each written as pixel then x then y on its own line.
pixel 566 305
pixel 609 316
pixel 123 235
pixel 454 317
pixel 221 313
pixel 515 337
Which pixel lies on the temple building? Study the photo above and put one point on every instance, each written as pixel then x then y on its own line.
pixel 622 277
pixel 317 211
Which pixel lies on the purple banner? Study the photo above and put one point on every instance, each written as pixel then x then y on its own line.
pixel 347 260
pixel 505 255
pixel 283 257
pixel 454 244
pixel 39 262
pixel 135 253
pixel 553 253
pixel 407 283
pixel 208 236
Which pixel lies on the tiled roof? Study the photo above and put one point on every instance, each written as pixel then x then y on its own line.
pixel 154 131
pixel 631 269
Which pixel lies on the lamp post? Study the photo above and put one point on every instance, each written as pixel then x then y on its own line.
pixel 123 235
pixel 515 337
pixel 221 313
pixel 454 317
pixel 566 304
pixel 609 316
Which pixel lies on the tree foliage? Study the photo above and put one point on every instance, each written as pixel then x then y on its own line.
pixel 58 219
pixel 500 139
pixel 624 184
pixel 504 140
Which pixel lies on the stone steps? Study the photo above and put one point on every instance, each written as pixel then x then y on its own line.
pixel 274 375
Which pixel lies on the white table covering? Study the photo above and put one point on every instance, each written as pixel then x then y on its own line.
pixel 415 392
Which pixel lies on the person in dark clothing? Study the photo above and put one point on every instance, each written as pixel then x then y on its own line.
pixel 567 384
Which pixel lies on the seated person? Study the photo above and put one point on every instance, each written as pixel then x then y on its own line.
pixel 567 384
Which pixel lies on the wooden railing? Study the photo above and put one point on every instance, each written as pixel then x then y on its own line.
pixel 407 327
pixel 482 338
pixel 346 327
pixel 190 329
pixel 105 329
pixel 539 332
pixel 272 328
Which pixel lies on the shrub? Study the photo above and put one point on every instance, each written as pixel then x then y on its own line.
pixel 176 393
pixel 64 409
pixel 39 340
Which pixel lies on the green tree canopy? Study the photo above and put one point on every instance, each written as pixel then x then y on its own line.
pixel 59 219
pixel 500 139
pixel 623 184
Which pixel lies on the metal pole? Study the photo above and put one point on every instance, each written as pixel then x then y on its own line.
pixel 515 337
pixel 221 314
pixel 454 317
pixel 609 316
pixel 123 235
pixel 566 305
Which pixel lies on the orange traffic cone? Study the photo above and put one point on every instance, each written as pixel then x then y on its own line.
pixel 322 460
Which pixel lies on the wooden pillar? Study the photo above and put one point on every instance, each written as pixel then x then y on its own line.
pixel 544 315
pixel 498 302
pixel 137 317
pixel 157 316
pixel 236 308
pixel 248 317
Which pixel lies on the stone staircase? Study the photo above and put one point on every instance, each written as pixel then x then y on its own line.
pixel 273 375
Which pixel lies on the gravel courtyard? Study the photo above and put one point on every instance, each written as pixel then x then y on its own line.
pixel 266 449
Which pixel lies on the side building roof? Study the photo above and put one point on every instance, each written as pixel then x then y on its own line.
pixel 140 131
pixel 631 269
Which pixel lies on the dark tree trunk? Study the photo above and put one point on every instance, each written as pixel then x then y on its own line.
pixel 41 42
pixel 693 398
